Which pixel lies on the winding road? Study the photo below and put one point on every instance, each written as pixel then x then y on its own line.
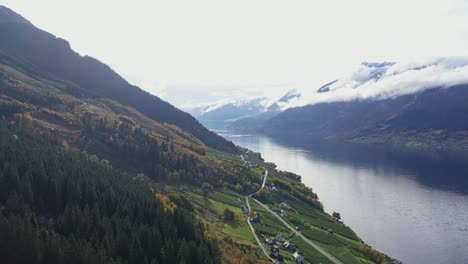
pixel 308 241
pixel 250 224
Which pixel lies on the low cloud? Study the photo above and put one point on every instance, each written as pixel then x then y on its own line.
pixel 376 81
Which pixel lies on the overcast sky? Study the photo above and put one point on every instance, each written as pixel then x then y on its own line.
pixel 189 52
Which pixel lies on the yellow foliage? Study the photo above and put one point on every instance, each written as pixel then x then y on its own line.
pixel 239 188
pixel 373 254
pixel 167 204
pixel 314 202
pixel 65 145
pixel 24 119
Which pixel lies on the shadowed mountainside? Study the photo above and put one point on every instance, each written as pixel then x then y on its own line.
pixel 45 55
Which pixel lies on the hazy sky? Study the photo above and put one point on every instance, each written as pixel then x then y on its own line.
pixel 189 52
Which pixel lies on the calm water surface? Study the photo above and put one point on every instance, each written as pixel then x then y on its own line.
pixel 412 207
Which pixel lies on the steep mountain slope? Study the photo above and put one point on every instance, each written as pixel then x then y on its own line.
pixel 130 140
pixel 51 57
pixel 82 173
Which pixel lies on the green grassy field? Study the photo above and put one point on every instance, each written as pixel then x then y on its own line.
pixel 333 236
pixel 342 243
pixel 318 226
pixel 271 227
pixel 214 204
pixel 308 215
pixel 310 254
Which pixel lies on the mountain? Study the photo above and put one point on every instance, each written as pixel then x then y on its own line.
pixel 50 56
pixel 220 115
pixel 370 71
pixel 83 156
pixel 94 170
pixel 9 16
pixel 416 105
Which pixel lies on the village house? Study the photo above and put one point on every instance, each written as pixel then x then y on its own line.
pixel 280 239
pixel 274 253
pixel 289 246
pixel 298 257
pixel 256 219
pixel 272 188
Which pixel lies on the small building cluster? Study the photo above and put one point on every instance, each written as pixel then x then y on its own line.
pixel 281 212
pixel 298 257
pixel 250 164
pixel 279 242
pixel 272 188
pixel 274 253
pixel 256 219
pixel 247 162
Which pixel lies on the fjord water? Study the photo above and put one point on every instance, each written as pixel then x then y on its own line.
pixel 411 206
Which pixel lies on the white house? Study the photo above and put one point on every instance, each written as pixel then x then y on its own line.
pixel 298 257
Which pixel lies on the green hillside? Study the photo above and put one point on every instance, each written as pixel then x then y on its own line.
pixel 95 170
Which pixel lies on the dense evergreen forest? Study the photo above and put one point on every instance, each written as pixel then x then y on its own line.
pixel 60 205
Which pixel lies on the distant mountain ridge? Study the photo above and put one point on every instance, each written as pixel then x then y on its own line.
pixel 221 114
pixel 418 105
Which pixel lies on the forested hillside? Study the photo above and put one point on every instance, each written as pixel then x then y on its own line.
pixel 84 157
pixel 44 54
pixel 66 206
pixel 431 119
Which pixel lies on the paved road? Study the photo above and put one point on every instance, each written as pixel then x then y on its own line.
pixel 255 235
pixel 263 184
pixel 314 245
pixel 317 247
pixel 248 218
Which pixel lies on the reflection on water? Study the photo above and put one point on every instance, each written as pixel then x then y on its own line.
pixel 412 207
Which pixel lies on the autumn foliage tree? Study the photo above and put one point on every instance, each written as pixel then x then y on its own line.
pixel 373 254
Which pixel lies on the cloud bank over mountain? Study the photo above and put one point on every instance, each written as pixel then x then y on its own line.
pixel 375 81
pixel 368 81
